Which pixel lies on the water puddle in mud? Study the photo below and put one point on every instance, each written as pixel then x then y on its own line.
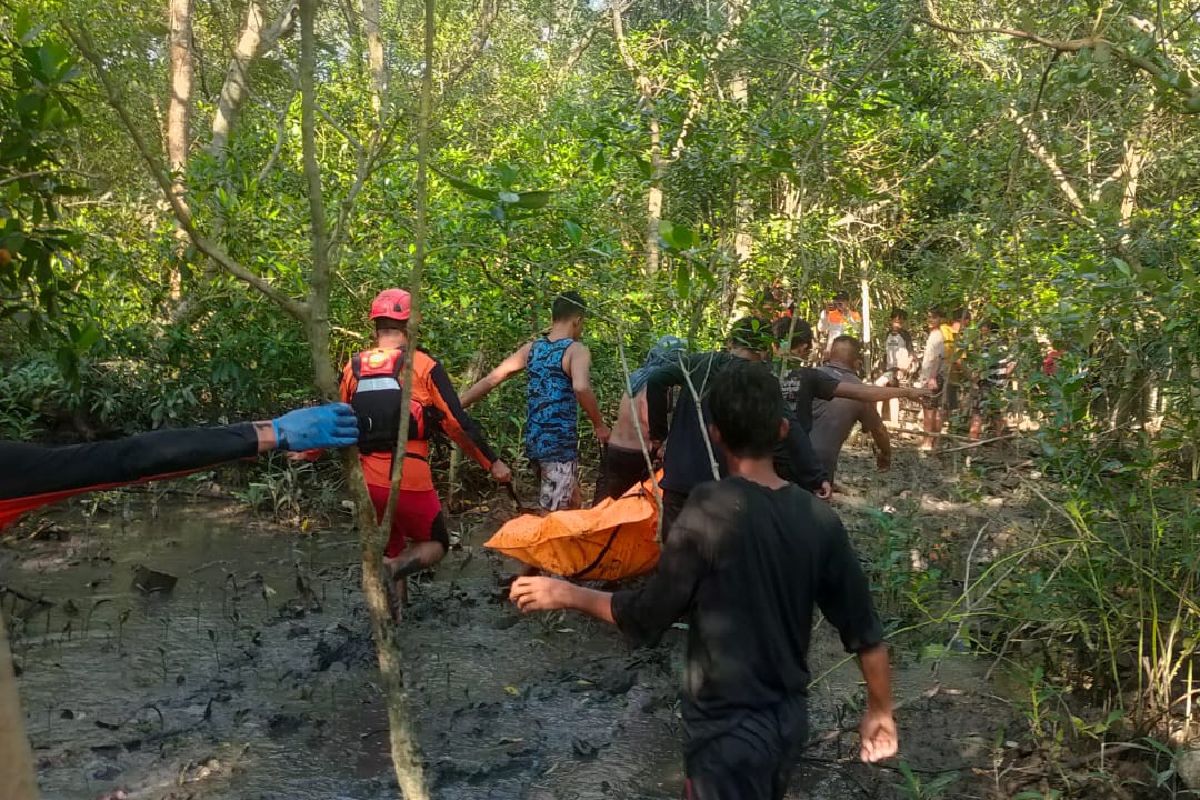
pixel 254 678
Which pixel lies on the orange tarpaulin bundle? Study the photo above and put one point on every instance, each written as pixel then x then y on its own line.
pixel 613 540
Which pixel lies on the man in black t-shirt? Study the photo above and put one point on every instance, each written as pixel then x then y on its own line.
pixel 801 385
pixel 751 557
pixel 690 458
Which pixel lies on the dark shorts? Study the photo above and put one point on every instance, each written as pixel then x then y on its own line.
pixel 620 470
pixel 952 396
pixel 935 400
pixel 418 517
pixel 751 761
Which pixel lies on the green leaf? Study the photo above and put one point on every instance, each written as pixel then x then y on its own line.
pixel 1122 266
pixel 683 283
pixel 574 232
pixel 87 338
pixel 535 199
pixel 507 175
pixel 677 237
pixel 54 60
pixel 23 25
pixel 469 188
pixel 509 197
pixel 665 231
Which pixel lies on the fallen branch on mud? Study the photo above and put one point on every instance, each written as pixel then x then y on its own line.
pixel 979 443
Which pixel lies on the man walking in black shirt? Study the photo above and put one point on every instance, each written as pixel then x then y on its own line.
pixel 750 559
pixel 690 456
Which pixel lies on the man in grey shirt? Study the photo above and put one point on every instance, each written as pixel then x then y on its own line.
pixel 833 420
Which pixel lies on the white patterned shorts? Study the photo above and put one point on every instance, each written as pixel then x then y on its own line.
pixel 560 485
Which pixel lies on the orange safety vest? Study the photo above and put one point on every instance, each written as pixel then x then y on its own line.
pixel 429 411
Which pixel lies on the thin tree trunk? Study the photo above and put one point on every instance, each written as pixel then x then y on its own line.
pixel 654 206
pixel 408 769
pixel 375 60
pixel 17 776
pixel 235 88
pixel 253 43
pixel 743 208
pixel 865 282
pixel 179 108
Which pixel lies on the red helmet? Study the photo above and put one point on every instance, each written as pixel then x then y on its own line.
pixel 392 304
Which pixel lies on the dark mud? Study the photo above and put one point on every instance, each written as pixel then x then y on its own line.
pixel 254 677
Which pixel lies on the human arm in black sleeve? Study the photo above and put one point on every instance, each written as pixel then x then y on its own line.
pixel 699 367
pixel 645 613
pixel 32 476
pixel 458 424
pixel 29 469
pixel 843 593
pixel 806 467
pixel 658 398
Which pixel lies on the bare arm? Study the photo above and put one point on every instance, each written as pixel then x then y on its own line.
pixel 549 594
pixel 878 728
pixel 505 370
pixel 873 424
pixel 578 366
pixel 873 394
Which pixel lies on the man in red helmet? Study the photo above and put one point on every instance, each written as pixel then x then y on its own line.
pixel 372 383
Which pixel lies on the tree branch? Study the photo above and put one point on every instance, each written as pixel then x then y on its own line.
pixel 1190 93
pixel 645 88
pixel 280 135
pixel 578 49
pixel 376 63
pixel 1039 151
pixel 294 307
pixel 737 10
pixel 254 43
pixel 489 10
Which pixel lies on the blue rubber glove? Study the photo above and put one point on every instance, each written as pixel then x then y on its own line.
pixel 332 425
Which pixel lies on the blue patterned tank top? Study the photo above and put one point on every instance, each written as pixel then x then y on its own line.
pixel 551 426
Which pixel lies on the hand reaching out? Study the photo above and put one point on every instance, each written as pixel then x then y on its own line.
pixel 539 594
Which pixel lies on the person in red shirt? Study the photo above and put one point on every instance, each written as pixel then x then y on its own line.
pixel 371 384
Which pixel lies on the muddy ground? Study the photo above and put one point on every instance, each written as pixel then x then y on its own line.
pixel 254 678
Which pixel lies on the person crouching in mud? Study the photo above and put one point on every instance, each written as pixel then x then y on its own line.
pixel 749 559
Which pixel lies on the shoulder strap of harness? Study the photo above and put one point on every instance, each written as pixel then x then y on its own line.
pixel 356 366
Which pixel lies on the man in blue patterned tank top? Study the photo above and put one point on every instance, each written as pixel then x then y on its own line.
pixel 559 368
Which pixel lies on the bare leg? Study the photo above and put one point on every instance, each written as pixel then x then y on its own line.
pixel 416 557
pixel 931 424
pixel 976 430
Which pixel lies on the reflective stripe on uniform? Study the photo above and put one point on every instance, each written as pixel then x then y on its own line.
pixel 378 385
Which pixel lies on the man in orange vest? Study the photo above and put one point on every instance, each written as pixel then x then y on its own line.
pixel 837 319
pixel 372 385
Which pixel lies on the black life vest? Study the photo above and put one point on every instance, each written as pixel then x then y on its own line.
pixel 377 399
